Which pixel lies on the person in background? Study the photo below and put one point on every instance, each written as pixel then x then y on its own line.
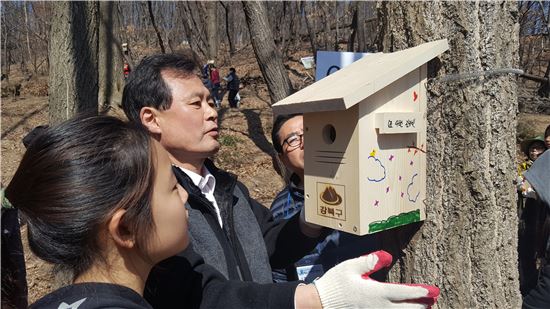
pixel 215 82
pixel 100 200
pixel 234 240
pixel 532 148
pixel 233 84
pixel 538 177
pixel 288 140
pixel 529 213
pixel 126 70
pixel 205 73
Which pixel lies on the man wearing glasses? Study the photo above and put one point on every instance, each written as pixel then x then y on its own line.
pixel 288 140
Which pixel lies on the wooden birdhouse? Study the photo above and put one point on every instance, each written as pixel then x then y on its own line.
pixel 365 141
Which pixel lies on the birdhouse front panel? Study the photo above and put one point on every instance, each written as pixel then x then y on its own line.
pixel 331 171
pixel 392 154
pixel 365 141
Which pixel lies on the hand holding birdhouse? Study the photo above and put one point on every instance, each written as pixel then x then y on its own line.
pixel 348 285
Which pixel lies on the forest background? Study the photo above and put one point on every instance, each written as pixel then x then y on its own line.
pixel 471 213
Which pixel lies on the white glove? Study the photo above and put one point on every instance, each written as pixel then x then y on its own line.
pixel 347 285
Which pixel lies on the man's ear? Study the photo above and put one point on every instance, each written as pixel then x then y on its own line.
pixel 149 118
pixel 120 233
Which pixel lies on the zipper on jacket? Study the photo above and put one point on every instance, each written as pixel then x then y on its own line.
pixel 229 236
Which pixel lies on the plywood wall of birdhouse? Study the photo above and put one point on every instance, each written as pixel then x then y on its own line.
pixel 392 168
pixel 331 169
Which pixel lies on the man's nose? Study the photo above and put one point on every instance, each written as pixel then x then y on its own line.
pixel 211 112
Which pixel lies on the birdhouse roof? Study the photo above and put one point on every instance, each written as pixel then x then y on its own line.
pixel 359 80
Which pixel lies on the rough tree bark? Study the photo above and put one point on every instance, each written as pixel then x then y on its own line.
pixel 73 79
pixel 111 76
pixel 193 28
pixel 25 9
pixel 228 27
pixel 544 88
pixel 212 28
pixel 157 31
pixel 325 11
pixel 353 34
pixel 267 55
pixel 468 244
pixel 311 32
pixel 361 36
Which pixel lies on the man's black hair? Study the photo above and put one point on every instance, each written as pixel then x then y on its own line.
pixel 145 85
pixel 277 124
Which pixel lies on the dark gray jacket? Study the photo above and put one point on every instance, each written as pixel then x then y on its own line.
pixel 538 176
pixel 244 251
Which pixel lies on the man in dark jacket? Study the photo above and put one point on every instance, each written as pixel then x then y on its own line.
pixel 231 233
pixel 234 240
pixel 538 177
pixel 233 84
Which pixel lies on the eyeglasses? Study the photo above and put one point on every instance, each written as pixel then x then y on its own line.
pixel 294 140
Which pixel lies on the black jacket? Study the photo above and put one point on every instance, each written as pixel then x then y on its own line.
pixel 539 178
pixel 233 81
pixel 92 296
pixel 539 297
pixel 14 275
pixel 250 243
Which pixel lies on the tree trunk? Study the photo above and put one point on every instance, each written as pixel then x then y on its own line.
pixel 325 10
pixel 111 76
pixel 353 27
pixel 310 31
pixel 193 28
pixel 73 84
pixel 212 28
pixel 361 37
pixel 468 244
pixel 28 41
pixel 144 22
pixel 336 40
pixel 6 59
pixel 544 88
pixel 152 17
pixel 228 27
pixel 267 55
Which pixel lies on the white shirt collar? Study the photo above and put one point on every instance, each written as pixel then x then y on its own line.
pixel 206 182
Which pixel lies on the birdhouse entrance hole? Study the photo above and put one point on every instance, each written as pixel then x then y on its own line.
pixel 329 134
